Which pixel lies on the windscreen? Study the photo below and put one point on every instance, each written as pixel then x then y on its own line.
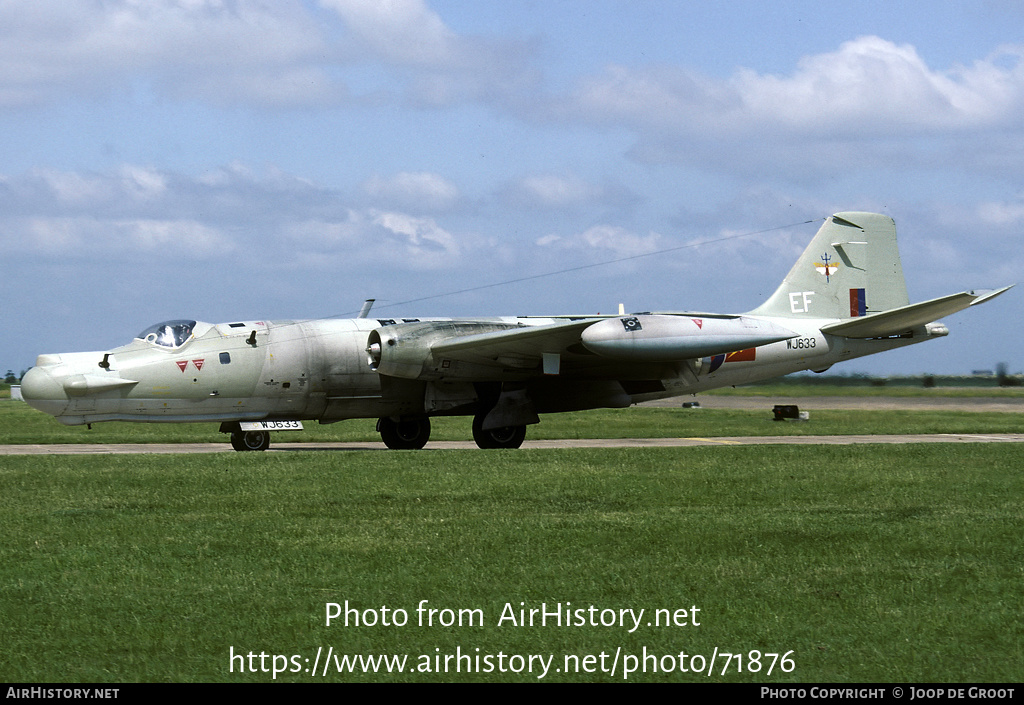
pixel 169 334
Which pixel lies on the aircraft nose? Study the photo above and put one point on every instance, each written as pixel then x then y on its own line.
pixel 43 392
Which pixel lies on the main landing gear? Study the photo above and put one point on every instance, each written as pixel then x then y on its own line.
pixel 404 434
pixel 504 437
pixel 413 433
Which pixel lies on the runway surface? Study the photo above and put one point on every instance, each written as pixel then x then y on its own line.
pixel 1008 404
pixel 172 448
pixel 960 404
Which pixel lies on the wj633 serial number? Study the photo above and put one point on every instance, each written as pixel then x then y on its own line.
pixel 270 425
pixel 801 343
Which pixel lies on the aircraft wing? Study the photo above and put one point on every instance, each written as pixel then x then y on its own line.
pixel 518 353
pixel 475 350
pixel 640 346
pixel 534 341
pixel 526 341
pixel 902 319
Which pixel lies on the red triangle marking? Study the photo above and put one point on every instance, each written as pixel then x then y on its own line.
pixel 182 364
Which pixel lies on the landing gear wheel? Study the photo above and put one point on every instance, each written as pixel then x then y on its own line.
pixel 250 440
pixel 407 434
pixel 504 437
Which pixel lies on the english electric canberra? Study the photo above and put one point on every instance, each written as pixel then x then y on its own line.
pixel 844 298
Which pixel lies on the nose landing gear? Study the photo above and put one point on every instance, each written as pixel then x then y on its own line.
pixel 250 440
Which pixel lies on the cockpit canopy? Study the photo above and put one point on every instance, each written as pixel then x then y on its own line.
pixel 169 334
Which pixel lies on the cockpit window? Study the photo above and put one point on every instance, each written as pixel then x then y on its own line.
pixel 169 334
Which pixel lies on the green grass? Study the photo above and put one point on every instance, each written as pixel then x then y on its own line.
pixel 20 424
pixel 869 563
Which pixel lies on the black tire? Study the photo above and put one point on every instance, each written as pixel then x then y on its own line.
pixel 250 440
pixel 407 434
pixel 509 437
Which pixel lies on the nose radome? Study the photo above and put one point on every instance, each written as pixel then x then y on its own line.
pixel 43 392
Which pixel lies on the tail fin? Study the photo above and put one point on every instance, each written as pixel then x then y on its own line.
pixel 851 268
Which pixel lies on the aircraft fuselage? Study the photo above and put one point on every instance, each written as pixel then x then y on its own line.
pixel 321 370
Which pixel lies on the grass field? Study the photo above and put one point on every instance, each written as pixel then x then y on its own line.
pixel 855 563
pixel 868 563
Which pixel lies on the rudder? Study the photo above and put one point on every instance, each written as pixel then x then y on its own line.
pixel 851 268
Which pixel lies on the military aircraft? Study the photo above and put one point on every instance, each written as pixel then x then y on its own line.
pixel 844 298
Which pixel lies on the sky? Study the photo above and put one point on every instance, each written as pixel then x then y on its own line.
pixel 224 160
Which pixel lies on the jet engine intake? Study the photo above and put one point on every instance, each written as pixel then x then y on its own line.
pixel 391 353
pixel 404 349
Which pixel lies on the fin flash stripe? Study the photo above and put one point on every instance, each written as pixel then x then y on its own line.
pixel 858 303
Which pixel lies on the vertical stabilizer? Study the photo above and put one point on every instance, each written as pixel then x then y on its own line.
pixel 850 269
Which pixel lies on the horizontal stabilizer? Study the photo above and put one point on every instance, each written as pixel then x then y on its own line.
pixel 902 319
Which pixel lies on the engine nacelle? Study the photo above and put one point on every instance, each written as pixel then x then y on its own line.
pixel 397 351
pixel 663 338
pixel 404 349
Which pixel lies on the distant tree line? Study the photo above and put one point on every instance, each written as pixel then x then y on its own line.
pixel 1006 380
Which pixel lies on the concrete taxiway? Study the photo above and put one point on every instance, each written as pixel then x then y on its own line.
pixel 172 448
pixel 1008 404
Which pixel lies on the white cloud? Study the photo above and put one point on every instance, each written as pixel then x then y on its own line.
pixel 280 219
pixel 620 240
pixel 186 238
pixel 416 190
pixel 92 192
pixel 1002 213
pixel 117 240
pixel 553 191
pixel 321 236
pixel 421 239
pixel 373 239
pixel 143 183
pixel 403 31
pixel 568 195
pixel 264 52
pixel 869 86
pixel 873 85
pixel 48 235
pixel 431 64
pixel 70 187
pixel 609 239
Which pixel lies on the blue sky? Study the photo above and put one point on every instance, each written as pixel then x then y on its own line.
pixel 227 159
